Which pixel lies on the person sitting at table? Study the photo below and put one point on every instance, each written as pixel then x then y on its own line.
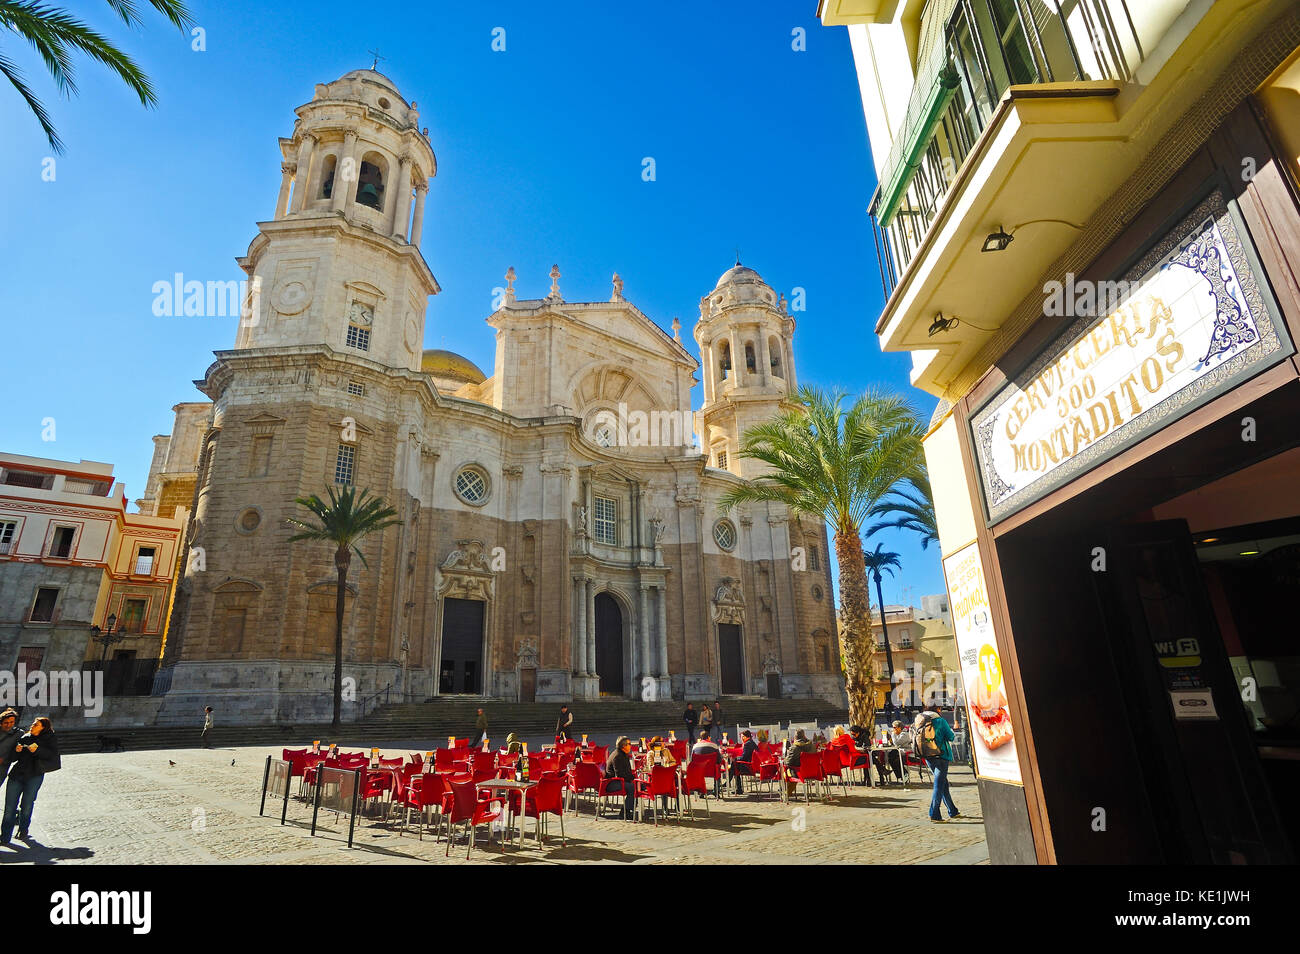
pixel 620 775
pixel 659 754
pixel 706 746
pixel 797 747
pixel 892 759
pixel 743 764
pixel 513 745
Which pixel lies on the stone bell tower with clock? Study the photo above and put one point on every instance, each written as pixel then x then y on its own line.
pixel 323 388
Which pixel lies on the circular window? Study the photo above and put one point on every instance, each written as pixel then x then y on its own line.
pixel 249 520
pixel 472 486
pixel 724 534
pixel 603 435
pixel 383 103
pixel 817 592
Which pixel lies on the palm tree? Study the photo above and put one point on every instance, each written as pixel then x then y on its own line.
pixel 877 561
pixel 837 465
pixel 911 507
pixel 57 35
pixel 344 522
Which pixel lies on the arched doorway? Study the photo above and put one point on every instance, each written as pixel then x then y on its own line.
pixel 609 645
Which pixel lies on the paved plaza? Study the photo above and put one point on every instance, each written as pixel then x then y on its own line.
pixel 137 808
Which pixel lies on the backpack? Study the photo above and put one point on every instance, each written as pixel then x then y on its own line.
pixel 923 742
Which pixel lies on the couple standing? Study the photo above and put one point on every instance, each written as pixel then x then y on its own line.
pixel 25 760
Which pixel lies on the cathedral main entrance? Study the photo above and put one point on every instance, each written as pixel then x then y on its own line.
pixel 730 660
pixel 609 645
pixel 461 669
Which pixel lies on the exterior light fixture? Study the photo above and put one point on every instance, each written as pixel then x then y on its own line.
pixel 941 323
pixel 997 241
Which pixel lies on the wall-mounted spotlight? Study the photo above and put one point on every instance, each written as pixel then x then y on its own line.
pixel 941 323
pixel 997 241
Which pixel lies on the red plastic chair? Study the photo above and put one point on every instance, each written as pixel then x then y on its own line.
pixel 461 744
pixel 911 761
pixel 484 760
pixel 442 760
pixel 466 808
pixel 810 770
pixel 663 781
pixel 769 769
pixel 832 768
pixel 679 751
pixel 713 770
pixel 425 791
pixel 697 771
pixel 599 754
pixel 546 798
pixel 586 777
pixel 377 787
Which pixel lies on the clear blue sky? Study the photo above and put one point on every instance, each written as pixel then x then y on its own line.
pixel 540 151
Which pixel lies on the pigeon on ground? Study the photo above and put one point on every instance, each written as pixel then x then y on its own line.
pixel 170 762
pixel 232 761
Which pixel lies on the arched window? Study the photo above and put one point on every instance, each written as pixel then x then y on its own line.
pixel 774 355
pixel 751 365
pixel 370 181
pixel 327 177
pixel 724 364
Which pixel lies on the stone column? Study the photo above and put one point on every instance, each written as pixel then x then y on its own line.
pixel 647 662
pixel 662 611
pixel 590 604
pixel 402 207
pixel 417 227
pixel 302 173
pixel 345 172
pixel 738 371
pixel 580 627
pixel 286 182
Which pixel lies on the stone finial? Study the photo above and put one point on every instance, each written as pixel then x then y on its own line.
pixel 618 288
pixel 510 283
pixel 677 329
pixel 780 303
pixel 555 283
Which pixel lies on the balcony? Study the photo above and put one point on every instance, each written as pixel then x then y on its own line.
pixel 1026 116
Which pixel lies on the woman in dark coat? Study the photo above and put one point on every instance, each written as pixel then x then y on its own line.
pixel 35 756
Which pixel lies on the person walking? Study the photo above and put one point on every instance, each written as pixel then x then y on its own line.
pixel 36 755
pixel 9 736
pixel 564 726
pixel 691 718
pixel 480 728
pixel 719 726
pixel 706 722
pixel 933 742
pixel 205 740
pixel 620 776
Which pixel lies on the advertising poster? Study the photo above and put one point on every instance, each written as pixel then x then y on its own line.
pixel 993 737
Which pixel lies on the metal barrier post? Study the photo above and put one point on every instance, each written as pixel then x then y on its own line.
pixel 356 792
pixel 266 777
pixel 288 787
pixel 315 809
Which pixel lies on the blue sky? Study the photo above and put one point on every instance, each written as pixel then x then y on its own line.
pixel 540 152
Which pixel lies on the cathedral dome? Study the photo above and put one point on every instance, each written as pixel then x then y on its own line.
pixel 373 76
pixel 449 366
pixel 739 273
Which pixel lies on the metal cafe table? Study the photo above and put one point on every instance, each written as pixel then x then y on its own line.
pixel 507 785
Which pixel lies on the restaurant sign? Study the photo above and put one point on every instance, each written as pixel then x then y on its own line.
pixel 1188 321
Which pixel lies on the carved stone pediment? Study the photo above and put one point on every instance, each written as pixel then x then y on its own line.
pixel 728 604
pixel 771 664
pixel 465 574
pixel 526 655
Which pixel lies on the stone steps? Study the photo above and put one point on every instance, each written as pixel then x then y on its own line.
pixel 437 719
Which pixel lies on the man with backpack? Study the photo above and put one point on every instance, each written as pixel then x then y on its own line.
pixel 932 740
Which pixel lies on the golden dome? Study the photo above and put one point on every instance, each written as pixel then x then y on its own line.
pixel 447 365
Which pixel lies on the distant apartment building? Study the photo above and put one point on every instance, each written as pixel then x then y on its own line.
pixel 920 645
pixel 70 558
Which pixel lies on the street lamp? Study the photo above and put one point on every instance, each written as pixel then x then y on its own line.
pixel 107 636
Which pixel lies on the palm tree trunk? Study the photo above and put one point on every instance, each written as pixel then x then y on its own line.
pixel 855 619
pixel 884 629
pixel 341 560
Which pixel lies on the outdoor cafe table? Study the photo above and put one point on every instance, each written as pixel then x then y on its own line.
pixel 902 762
pixel 509 785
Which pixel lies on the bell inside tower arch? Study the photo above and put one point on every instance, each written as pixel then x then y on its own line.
pixel 327 177
pixel 774 353
pixel 370 182
pixel 724 363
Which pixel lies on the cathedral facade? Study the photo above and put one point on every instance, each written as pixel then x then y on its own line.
pixel 560 534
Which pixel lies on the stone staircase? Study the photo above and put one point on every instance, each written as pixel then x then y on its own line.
pixel 433 721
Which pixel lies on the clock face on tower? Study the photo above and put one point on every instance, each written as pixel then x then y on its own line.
pixel 361 314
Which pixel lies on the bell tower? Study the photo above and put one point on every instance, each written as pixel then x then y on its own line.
pixel 339 264
pixel 744 335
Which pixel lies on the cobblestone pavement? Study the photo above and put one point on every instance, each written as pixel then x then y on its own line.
pixel 136 808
